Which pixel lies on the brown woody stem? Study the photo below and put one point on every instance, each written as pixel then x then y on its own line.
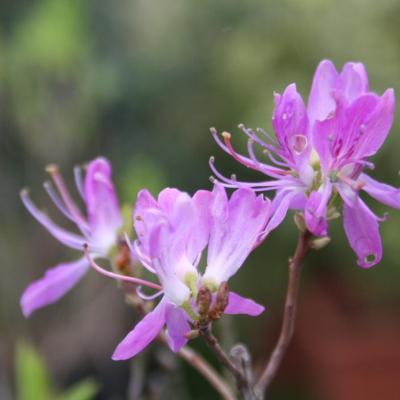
pixel 289 315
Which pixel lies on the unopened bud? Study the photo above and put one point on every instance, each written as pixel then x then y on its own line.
pixel 203 300
pixel 193 334
pixel 300 222
pixel 221 302
pixel 319 243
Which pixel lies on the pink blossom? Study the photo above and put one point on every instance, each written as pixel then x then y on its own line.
pixel 317 159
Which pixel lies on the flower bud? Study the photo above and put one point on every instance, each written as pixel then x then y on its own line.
pixel 319 243
pixel 203 300
pixel 221 302
pixel 300 221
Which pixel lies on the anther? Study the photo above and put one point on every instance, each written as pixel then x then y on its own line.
pixel 226 135
pixel 52 169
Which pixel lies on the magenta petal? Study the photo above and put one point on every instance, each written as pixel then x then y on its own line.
pixel 315 211
pixel 55 283
pixel 202 200
pixel 241 305
pixel 178 326
pixel 362 230
pixel 378 124
pixel 382 192
pixel 102 205
pixel 142 334
pixel 236 227
pixel 69 239
pixel 290 122
pixel 321 102
pixel 353 81
pixel 280 206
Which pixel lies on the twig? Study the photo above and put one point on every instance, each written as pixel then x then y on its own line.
pixel 243 382
pixel 208 372
pixel 289 316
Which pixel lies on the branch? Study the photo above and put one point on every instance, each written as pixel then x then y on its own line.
pixel 208 372
pixel 243 379
pixel 289 316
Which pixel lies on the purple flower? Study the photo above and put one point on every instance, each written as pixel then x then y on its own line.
pixel 173 231
pixel 98 228
pixel 320 152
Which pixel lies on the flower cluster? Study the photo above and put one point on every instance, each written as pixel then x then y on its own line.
pixel 316 167
pixel 319 154
pixel 173 232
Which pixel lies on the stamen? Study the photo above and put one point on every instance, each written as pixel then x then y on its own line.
pixel 54 172
pixel 79 181
pixel 144 296
pixel 273 172
pixel 118 277
pixel 351 182
pixel 56 200
pixel 266 134
pixel 143 258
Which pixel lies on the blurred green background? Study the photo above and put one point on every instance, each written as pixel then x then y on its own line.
pixel 141 82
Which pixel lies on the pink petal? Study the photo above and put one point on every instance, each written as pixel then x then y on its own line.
pixel 290 123
pixel 55 283
pixel 178 326
pixel 382 192
pixel 102 205
pixel 142 334
pixel 378 124
pixel 321 102
pixel 202 200
pixel 67 238
pixel 362 230
pixel 280 206
pixel 315 211
pixel 236 227
pixel 241 305
pixel 352 81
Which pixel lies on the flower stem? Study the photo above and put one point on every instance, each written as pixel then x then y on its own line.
pixel 243 384
pixel 289 315
pixel 208 372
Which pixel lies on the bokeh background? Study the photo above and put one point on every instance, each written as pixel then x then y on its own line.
pixel 141 82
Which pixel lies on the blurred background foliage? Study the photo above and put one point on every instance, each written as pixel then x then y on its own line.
pixel 141 82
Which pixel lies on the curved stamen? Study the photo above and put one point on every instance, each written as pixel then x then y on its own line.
pixel 117 277
pixel 68 238
pixel 144 296
pixel 84 228
pixel 56 200
pixel 273 172
pixel 54 172
pixel 143 258
pixel 351 182
pixel 79 181
pixel 271 156
pixel 234 183
pixel 267 135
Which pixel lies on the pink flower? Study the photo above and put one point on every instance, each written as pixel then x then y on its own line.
pixel 173 231
pixel 320 152
pixel 99 228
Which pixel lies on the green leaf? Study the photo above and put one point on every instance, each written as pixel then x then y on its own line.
pixel 32 377
pixel 84 390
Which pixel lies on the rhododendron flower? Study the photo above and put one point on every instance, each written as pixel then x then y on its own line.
pixel 320 152
pixel 99 228
pixel 172 232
